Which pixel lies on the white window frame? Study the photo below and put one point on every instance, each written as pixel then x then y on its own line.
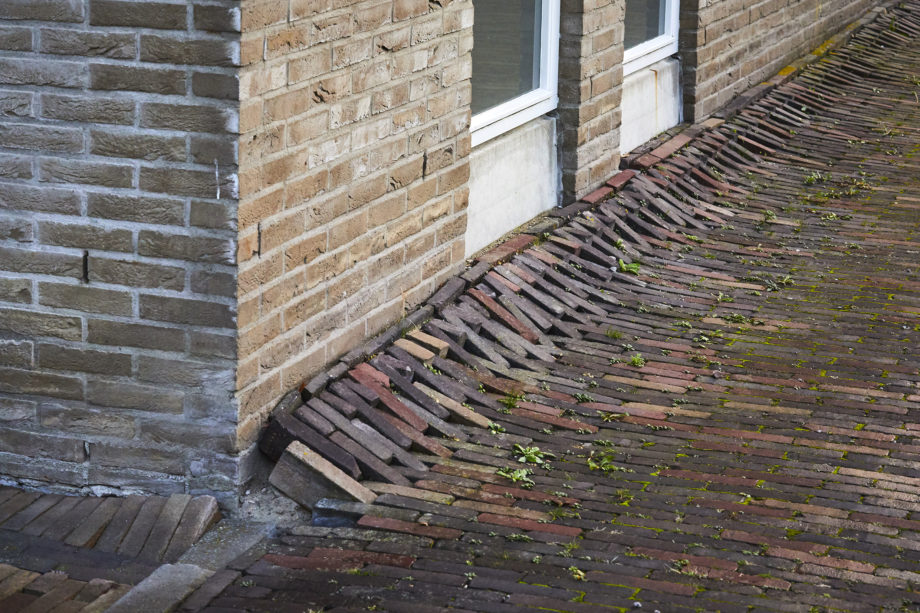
pixel 651 51
pixel 504 117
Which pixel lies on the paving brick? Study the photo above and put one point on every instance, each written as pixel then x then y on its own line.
pixel 306 477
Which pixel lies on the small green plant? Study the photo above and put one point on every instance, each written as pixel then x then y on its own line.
pixel 637 360
pixel 724 298
pixel 816 177
pixel 495 428
pixel 577 573
pixel 519 475
pixel 632 268
pixel 604 462
pixel 511 400
pixel 614 334
pixel 519 538
pixel 432 368
pixel 580 397
pixel 532 455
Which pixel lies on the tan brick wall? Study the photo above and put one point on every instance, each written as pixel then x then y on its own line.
pixel 354 147
pixel 728 46
pixel 590 90
pixel 118 128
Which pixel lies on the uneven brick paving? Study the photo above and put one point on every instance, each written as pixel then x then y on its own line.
pixel 71 553
pixel 717 366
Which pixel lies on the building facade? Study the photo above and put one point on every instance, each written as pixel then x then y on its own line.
pixel 204 202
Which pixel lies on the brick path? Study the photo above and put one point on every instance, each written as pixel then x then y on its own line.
pixel 721 356
pixel 71 553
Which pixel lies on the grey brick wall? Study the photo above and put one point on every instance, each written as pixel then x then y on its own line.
pixel 727 46
pixel 118 191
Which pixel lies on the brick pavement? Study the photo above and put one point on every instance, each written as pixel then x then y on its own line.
pixel 710 371
pixel 70 553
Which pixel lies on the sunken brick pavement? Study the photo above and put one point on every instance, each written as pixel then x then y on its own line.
pixel 722 357
pixel 717 365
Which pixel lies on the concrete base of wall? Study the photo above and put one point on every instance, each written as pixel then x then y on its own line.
pixel 651 103
pixel 513 178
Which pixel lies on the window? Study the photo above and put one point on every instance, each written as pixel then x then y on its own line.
pixel 651 32
pixel 515 64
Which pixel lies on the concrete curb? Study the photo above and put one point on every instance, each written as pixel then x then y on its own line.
pixel 163 590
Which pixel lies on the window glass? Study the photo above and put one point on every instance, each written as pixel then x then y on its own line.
pixel 645 20
pixel 506 51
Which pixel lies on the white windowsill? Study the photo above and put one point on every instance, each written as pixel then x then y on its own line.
pixel 496 121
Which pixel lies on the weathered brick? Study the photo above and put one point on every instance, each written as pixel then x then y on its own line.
pixel 15 381
pixel 117 333
pixel 115 77
pixel 83 421
pixel 214 215
pixel 16 290
pixel 92 173
pixel 213 283
pixel 115 393
pixel 31 323
pixel 182 247
pixel 183 372
pixel 260 13
pixel 135 274
pixel 85 298
pixel 159 15
pixel 84 236
pixel 184 311
pixel 153 458
pixel 206 436
pixel 406 9
pixel 14 229
pixel 14 71
pixel 32 444
pixel 18 354
pixel 48 138
pixel 15 167
pixel 15 104
pixel 76 42
pixel 44 10
pixel 88 109
pixel 55 357
pixel 130 144
pixel 178 182
pixel 216 85
pixel 213 345
pixel 188 117
pixel 15 39
pixel 40 262
pixel 217 18
pixel 199 52
pixel 34 198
